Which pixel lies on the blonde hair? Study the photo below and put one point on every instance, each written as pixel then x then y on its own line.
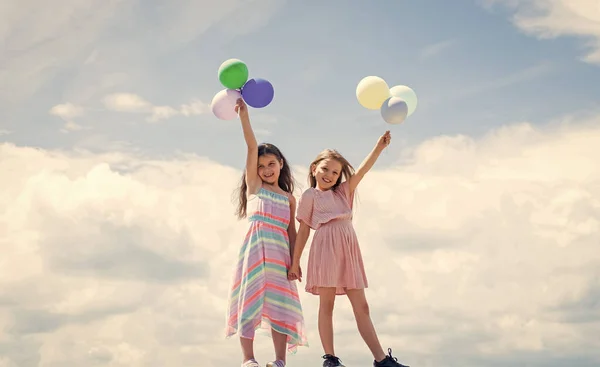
pixel 347 169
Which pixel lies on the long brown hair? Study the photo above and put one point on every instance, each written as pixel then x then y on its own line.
pixel 347 169
pixel 285 182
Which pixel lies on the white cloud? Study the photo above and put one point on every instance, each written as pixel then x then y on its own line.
pixel 162 113
pixel 58 33
pixel 521 76
pixel 79 35
pixel 436 48
pixel 555 18
pixel 128 102
pixel 479 253
pixel 66 111
pixel 72 126
pixel 194 108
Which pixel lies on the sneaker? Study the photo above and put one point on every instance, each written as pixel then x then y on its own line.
pixel 278 363
pixel 250 363
pixel 331 361
pixel 388 361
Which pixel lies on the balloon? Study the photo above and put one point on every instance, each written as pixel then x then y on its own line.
pixel 394 110
pixel 223 104
pixel 372 91
pixel 407 94
pixel 233 73
pixel 258 93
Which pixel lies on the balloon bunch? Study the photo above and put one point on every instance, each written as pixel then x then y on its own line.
pixel 233 75
pixel 395 104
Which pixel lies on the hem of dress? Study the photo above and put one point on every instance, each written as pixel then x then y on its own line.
pixel 339 290
pixel 264 323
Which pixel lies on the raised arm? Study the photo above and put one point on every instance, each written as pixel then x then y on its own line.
pixel 252 179
pixel 368 163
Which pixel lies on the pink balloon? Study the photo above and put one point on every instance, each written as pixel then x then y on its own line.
pixel 223 104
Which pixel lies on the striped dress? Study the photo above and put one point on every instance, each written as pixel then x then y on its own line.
pixel 261 295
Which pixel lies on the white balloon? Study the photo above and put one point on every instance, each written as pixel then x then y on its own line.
pixel 407 94
pixel 372 91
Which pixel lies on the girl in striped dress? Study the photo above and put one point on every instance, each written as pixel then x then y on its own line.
pixel 261 295
pixel 335 265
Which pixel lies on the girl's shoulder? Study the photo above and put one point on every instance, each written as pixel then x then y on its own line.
pixel 309 192
pixel 307 197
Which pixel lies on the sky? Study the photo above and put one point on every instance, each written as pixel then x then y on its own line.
pixel 479 224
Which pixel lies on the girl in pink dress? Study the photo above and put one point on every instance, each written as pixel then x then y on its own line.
pixel 335 265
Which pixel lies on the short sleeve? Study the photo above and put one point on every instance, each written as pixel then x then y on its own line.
pixel 306 208
pixel 344 188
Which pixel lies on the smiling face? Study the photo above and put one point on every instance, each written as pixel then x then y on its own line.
pixel 269 168
pixel 327 172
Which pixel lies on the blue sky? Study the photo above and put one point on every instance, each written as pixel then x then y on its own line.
pixel 472 69
pixel 479 225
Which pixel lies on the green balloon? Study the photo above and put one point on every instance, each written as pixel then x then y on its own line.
pixel 233 74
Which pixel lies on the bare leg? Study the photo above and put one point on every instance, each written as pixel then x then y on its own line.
pixel 279 342
pixel 326 303
pixel 363 321
pixel 247 348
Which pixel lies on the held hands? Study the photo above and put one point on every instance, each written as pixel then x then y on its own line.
pixel 295 273
pixel 384 140
pixel 241 109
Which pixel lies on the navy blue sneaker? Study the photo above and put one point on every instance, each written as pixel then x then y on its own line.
pixel 388 361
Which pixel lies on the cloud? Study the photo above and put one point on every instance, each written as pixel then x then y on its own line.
pixel 479 252
pixel 128 102
pixel 530 73
pixel 72 126
pixel 67 112
pixel 194 108
pixel 554 18
pixel 101 253
pixel 436 48
pixel 80 36
pixel 58 34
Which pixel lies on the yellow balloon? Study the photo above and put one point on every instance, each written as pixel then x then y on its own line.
pixel 372 91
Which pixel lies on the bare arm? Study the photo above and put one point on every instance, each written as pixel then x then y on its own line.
pixel 292 227
pixel 252 179
pixel 369 161
pixel 301 238
pixel 305 210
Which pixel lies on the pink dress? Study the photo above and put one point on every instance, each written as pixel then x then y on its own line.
pixel 335 259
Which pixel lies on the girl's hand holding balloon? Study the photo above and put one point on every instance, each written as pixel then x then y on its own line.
pixel 241 109
pixel 384 140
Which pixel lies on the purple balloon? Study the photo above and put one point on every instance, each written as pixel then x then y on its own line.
pixel 223 104
pixel 258 93
pixel 394 110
